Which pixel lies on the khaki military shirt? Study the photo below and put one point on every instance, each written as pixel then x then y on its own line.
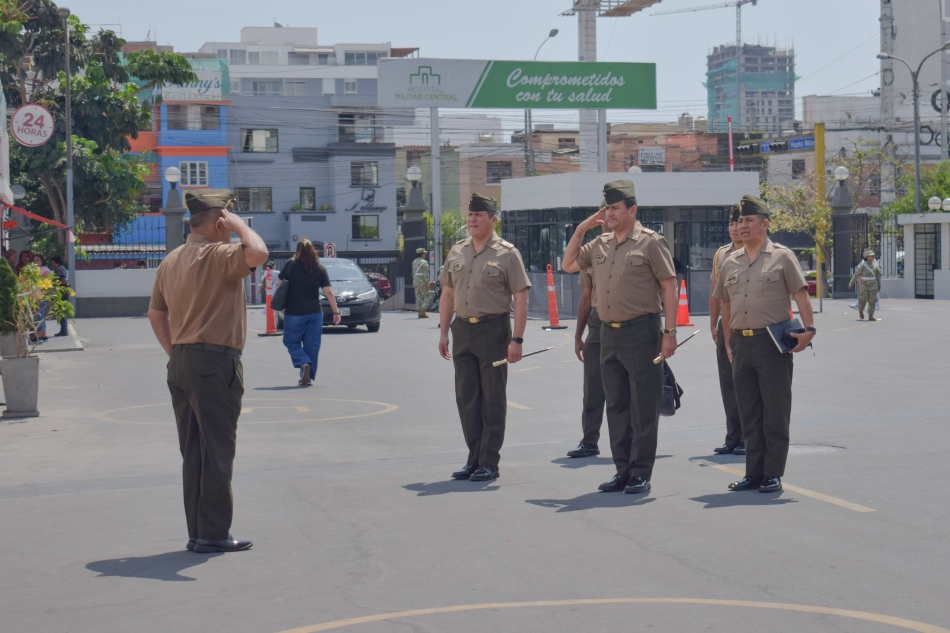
pixel 200 285
pixel 627 275
pixel 719 259
pixel 758 291
pixel 484 282
pixel 586 279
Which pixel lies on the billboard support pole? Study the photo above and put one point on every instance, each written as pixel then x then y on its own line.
pixel 436 187
pixel 602 140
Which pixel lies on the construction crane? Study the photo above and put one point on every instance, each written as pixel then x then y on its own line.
pixel 725 5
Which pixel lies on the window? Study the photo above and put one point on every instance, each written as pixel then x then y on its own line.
pixel 364 173
pixel 349 86
pixel 269 58
pixel 222 53
pixel 298 59
pixel 251 199
pixel 798 168
pixel 323 59
pixel 259 140
pixel 365 227
pixel 497 170
pixel 253 58
pixel 267 88
pixel 238 57
pixel 362 59
pixel 356 128
pixel 308 198
pixel 194 173
pixel 329 86
pixel 194 117
pixel 567 143
pixel 295 88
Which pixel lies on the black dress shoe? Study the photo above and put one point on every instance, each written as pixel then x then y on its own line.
pixel 465 473
pixel 739 450
pixel 637 485
pixel 584 450
pixel 771 484
pixel 62 333
pixel 230 544
pixel 191 544
pixel 484 473
pixel 616 484
pixel 725 449
pixel 746 483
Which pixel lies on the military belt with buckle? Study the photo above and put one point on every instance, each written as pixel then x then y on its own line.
pixel 746 333
pixel 620 324
pixel 487 317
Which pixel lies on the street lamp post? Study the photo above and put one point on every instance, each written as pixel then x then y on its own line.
pixel 174 212
pixel 915 76
pixel 63 13
pixel 528 124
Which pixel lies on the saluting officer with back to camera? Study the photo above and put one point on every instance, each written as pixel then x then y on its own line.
pixel 481 276
pixel 632 269
pixel 754 287
pixel 734 443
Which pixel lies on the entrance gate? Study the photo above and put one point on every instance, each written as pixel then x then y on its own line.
pixel 414 236
pixel 850 238
pixel 926 258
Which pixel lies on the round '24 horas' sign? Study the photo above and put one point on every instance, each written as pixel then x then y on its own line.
pixel 31 125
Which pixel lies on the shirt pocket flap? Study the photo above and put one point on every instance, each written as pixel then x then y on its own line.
pixel 455 267
pixel 770 276
pixel 600 259
pixel 731 280
pixel 633 260
pixel 491 271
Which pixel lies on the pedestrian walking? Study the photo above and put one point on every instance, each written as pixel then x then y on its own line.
pixel 199 316
pixel 868 276
pixel 734 442
pixel 303 315
pixel 588 352
pixel 754 287
pixel 632 270
pixel 420 282
pixel 481 277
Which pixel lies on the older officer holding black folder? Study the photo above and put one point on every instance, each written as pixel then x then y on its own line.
pixel 754 287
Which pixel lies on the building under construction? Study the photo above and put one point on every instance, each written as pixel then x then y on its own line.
pixel 762 80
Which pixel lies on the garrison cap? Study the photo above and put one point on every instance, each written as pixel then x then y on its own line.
pixel 868 253
pixel 482 203
pixel 734 214
pixel 420 251
pixel 750 205
pixel 207 199
pixel 618 190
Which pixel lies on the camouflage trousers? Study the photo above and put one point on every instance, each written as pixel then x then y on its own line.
pixel 867 296
pixel 423 296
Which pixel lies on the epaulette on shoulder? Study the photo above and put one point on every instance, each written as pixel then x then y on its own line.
pixel 776 245
pixel 649 231
pixel 462 241
pixel 739 252
pixel 506 244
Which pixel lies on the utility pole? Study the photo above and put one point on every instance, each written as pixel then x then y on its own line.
pixel 944 142
pixel 823 197
pixel 587 52
pixel 888 175
pixel 63 13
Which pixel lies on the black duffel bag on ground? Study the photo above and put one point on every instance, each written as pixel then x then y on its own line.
pixel 672 392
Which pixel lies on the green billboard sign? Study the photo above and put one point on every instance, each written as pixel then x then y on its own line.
pixel 457 83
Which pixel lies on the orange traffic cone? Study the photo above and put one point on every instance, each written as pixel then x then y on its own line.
pixel 552 305
pixel 268 292
pixel 682 315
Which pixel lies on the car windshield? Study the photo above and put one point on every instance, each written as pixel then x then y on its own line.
pixel 343 271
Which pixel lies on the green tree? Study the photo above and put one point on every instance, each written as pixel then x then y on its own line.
pixel 111 100
pixel 933 182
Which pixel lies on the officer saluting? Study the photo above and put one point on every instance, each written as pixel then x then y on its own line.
pixel 632 268
pixel 754 287
pixel 734 443
pixel 480 276
pixel 199 316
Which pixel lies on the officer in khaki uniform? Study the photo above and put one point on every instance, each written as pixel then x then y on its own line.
pixel 632 268
pixel 199 316
pixel 734 443
pixel 588 352
pixel 754 287
pixel 481 275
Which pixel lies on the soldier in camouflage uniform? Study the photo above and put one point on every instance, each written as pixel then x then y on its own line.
pixel 420 282
pixel 868 276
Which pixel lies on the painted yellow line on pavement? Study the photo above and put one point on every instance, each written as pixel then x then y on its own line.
pixel 909 625
pixel 803 491
pixel 518 406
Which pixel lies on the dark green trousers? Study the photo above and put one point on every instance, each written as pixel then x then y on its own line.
pixel 206 389
pixel 480 389
pixel 592 417
pixel 632 384
pixel 728 389
pixel 763 380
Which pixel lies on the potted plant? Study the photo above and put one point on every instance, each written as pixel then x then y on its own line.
pixel 37 298
pixel 8 290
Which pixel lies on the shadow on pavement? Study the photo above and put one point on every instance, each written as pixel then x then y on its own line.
pixel 450 487
pixel 158 567
pixel 743 498
pixel 580 462
pixel 287 387
pixel 593 500
pixel 716 458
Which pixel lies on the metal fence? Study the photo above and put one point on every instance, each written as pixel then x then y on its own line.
pixel 142 241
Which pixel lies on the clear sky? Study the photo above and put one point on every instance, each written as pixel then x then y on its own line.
pixel 835 41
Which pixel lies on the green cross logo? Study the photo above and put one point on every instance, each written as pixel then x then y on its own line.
pixel 424 74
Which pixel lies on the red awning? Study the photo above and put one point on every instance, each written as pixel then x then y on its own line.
pixel 34 216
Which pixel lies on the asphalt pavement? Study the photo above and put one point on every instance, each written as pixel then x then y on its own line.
pixel 344 488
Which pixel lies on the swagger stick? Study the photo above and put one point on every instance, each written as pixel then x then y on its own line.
pixel 659 359
pixel 504 361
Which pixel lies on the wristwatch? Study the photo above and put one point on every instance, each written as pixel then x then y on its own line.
pixel 517 339
pixel 671 331
pixel 811 329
